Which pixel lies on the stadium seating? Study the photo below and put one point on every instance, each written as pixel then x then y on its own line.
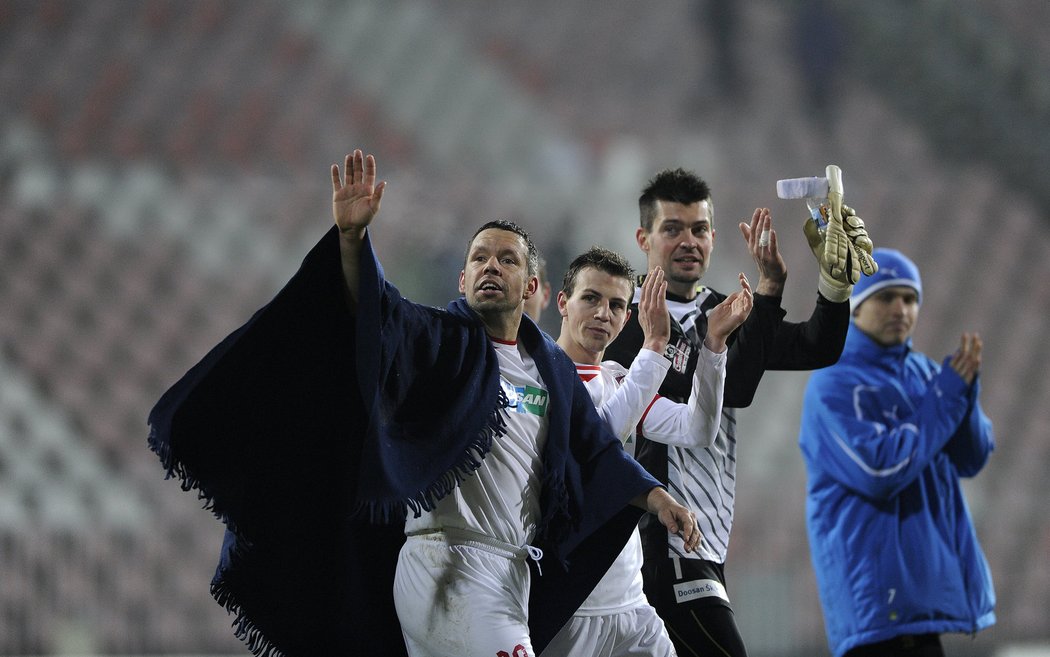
pixel 163 167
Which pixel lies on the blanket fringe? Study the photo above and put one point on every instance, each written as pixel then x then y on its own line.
pixel 244 628
pixel 175 469
pixel 560 519
pixel 385 511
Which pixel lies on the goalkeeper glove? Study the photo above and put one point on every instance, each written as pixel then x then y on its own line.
pixel 843 252
pixel 858 235
pixel 831 287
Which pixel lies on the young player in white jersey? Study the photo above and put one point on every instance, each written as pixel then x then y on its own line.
pixel 616 619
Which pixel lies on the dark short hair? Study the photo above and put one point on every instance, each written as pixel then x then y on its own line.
pixel 610 262
pixel 532 255
pixel 673 185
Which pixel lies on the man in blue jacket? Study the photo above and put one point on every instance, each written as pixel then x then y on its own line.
pixel 886 434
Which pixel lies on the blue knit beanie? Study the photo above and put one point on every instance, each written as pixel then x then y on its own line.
pixel 894 269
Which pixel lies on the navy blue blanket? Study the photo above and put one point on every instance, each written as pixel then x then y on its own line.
pixel 310 431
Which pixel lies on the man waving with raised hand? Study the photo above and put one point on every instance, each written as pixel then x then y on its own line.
pixel 342 405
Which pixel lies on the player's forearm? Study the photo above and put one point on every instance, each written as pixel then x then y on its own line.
pixel 770 286
pixel 973 442
pixel 624 409
pixel 814 343
pixel 706 399
pixel 654 501
pixel 657 344
pixel 715 343
pixel 968 450
pixel 351 243
pixel 693 424
pixel 877 457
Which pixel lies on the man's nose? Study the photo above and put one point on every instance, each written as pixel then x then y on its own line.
pixel 602 312
pixel 492 264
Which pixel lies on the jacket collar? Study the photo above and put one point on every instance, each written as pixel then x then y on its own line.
pixel 860 345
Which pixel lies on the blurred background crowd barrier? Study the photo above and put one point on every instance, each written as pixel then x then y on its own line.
pixel 164 167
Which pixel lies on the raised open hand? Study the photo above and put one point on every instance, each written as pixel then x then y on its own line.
pixel 761 241
pixel 355 199
pixel 728 315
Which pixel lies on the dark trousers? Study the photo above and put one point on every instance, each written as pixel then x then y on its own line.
pixel 906 645
pixel 698 628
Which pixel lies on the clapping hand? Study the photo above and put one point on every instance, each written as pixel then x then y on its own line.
pixel 652 311
pixel 728 315
pixel 966 361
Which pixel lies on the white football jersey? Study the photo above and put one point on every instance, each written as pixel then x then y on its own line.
pixel 627 400
pixel 501 499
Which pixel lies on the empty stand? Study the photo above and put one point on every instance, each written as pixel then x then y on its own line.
pixel 163 169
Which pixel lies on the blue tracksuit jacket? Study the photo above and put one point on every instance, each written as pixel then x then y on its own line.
pixel 886 434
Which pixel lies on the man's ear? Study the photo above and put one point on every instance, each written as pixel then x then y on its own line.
pixel 563 302
pixel 642 237
pixel 531 286
pixel 462 276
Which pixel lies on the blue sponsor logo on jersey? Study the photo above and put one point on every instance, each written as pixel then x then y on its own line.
pixel 526 399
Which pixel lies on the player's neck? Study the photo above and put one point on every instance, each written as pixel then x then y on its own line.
pixel 577 353
pixel 682 291
pixel 502 325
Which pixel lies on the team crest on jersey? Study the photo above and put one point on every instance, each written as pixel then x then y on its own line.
pixel 525 399
pixel 678 353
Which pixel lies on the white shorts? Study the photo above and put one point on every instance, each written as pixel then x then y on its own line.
pixel 461 598
pixel 634 632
